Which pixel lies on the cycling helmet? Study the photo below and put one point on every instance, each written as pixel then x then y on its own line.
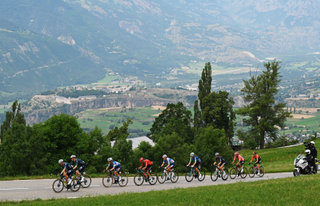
pixel 216 154
pixel 164 156
pixel 141 159
pixel 307 151
pixel 60 161
pixel 236 153
pixel 73 156
pixel 191 154
pixel 109 159
pixel 312 142
pixel 254 153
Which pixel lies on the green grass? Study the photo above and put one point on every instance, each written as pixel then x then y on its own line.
pixel 295 66
pixel 276 159
pixel 19 101
pixel 104 118
pixel 108 79
pixel 287 191
pixel 311 69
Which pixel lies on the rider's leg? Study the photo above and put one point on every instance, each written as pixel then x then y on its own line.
pixel 65 176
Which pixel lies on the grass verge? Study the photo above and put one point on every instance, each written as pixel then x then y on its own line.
pixel 287 191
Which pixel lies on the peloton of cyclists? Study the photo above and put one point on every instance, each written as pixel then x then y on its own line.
pixel 196 164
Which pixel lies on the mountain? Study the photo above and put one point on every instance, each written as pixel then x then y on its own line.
pixel 46 44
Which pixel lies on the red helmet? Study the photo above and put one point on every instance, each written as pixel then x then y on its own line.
pixel 141 159
pixel 236 153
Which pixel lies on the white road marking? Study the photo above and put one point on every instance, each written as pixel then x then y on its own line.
pixel 95 185
pixel 72 197
pixel 15 189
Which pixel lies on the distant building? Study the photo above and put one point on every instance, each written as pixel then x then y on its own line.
pixel 158 84
pixel 137 140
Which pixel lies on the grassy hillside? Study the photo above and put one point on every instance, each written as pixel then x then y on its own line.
pixel 287 191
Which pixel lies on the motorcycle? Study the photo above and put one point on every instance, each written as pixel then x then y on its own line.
pixel 301 166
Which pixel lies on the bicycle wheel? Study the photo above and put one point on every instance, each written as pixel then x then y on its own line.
pixel 252 172
pixel 86 182
pixel 123 180
pixel 174 177
pixel 153 178
pixel 75 186
pixel 233 173
pixel 107 181
pixel 57 186
pixel 189 176
pixel 244 173
pixel 214 175
pixel 138 179
pixel 225 174
pixel 162 177
pixel 203 175
pixel 261 171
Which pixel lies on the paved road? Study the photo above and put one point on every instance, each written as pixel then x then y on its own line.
pixel 33 189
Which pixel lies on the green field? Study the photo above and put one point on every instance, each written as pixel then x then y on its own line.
pixel 288 191
pixel 312 123
pixel 142 118
pixel 295 66
pixel 108 79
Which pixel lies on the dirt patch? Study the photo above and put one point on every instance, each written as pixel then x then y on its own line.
pixel 156 115
pixel 299 116
pixel 307 109
pixel 158 107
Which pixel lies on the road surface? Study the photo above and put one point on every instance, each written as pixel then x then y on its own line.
pixel 17 190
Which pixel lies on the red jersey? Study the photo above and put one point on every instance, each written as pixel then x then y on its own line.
pixel 146 162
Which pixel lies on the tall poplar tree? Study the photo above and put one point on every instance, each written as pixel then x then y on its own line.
pixel 262 113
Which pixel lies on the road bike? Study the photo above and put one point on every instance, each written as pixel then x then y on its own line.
pixel 236 171
pixel 216 173
pixel 254 171
pixel 141 176
pixel 86 182
pixel 61 183
pixel 164 176
pixel 110 179
pixel 193 173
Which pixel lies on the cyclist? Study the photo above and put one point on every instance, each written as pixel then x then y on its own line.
pixel 222 162
pixel 147 166
pixel 116 166
pixel 257 162
pixel 81 164
pixel 67 171
pixel 309 158
pixel 240 163
pixel 170 163
pixel 196 164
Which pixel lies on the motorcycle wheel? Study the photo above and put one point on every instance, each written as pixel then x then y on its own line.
pixel 296 173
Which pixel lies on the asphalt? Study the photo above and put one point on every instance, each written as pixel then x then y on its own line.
pixel 17 190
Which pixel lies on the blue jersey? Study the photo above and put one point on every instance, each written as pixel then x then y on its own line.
pixel 79 162
pixel 169 161
pixel 221 159
pixel 114 164
pixel 195 158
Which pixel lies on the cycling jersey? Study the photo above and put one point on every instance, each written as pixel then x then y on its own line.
pixel 221 159
pixel 146 163
pixel 78 162
pixel 169 161
pixel 240 158
pixel 195 158
pixel 67 166
pixel 257 157
pixel 114 164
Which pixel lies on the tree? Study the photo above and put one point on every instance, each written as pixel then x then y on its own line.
pixel 262 111
pixel 175 118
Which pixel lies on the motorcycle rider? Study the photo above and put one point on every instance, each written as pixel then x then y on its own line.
pixel 314 154
pixel 309 158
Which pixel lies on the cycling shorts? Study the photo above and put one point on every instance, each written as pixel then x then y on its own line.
pixel 259 162
pixel 69 173
pixel 171 165
pixel 242 162
pixel 198 164
pixel 117 169
pixel 81 168
pixel 149 167
pixel 222 164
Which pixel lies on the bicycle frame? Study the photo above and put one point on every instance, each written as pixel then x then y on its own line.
pixel 143 173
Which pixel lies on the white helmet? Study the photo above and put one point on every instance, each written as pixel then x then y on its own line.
pixel 164 156
pixel 60 161
pixel 307 151
pixel 73 156
pixel 109 159
pixel 191 154
pixel 312 142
